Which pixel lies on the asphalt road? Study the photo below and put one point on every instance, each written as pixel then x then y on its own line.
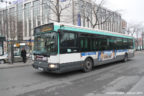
pixel 116 79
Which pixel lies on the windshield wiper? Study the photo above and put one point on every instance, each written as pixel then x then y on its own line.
pixel 41 53
pixel 46 55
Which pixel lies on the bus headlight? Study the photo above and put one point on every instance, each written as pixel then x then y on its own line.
pixel 53 66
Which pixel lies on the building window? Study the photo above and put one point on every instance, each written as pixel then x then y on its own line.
pixel 12 21
pixel 46 11
pixel 36 13
pixel 20 21
pixel 27 19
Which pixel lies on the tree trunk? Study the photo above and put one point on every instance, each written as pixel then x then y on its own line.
pixel 58 17
pixel 58 13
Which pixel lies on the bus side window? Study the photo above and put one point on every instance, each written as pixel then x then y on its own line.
pixel 68 41
pixel 103 44
pixel 125 44
pixel 91 45
pixel 112 43
pixel 119 43
pixel 82 44
pixel 86 44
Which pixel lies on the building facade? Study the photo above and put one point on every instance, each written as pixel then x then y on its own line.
pixel 18 21
pixel 124 26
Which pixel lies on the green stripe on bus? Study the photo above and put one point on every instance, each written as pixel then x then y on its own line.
pixel 89 31
pixel 56 27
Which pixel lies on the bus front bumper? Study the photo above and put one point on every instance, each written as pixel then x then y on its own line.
pixel 45 66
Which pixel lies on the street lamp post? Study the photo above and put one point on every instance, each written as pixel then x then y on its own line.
pixel 10 48
pixel 7 20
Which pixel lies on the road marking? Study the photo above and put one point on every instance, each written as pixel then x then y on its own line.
pixel 121 83
pixel 117 87
pixel 139 87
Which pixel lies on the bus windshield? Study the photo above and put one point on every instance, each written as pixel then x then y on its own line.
pixel 45 44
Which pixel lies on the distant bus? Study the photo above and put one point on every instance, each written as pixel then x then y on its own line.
pixel 61 48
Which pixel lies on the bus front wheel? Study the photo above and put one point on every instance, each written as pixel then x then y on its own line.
pixel 87 66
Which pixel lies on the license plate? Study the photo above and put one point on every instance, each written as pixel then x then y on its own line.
pixel 39 58
pixel 41 69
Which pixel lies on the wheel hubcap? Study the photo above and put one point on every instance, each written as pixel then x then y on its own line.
pixel 88 65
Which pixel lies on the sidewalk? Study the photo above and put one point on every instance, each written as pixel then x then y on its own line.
pixel 17 64
pixel 139 52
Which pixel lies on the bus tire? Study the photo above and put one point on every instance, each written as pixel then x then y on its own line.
pixel 88 64
pixel 125 58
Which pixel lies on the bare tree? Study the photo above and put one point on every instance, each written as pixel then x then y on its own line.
pixel 58 7
pixel 135 30
pixel 99 14
pixel 131 30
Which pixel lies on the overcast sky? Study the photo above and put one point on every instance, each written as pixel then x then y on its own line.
pixel 131 10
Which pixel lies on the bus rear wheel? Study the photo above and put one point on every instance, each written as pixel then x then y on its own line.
pixel 87 66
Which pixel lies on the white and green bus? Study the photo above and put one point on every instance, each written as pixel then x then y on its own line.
pixel 61 47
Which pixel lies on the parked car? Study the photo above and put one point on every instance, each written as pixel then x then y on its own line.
pixel 3 58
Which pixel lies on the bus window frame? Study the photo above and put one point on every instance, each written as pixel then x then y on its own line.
pixel 73 49
pixel 56 43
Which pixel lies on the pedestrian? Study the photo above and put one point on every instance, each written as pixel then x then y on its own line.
pixel 23 55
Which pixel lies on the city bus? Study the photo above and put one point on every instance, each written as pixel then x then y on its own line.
pixel 61 48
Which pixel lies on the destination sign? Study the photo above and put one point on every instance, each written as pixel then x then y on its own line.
pixel 44 28
pixel 47 27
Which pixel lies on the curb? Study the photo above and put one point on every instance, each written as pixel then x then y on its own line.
pixel 14 66
pixel 139 52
